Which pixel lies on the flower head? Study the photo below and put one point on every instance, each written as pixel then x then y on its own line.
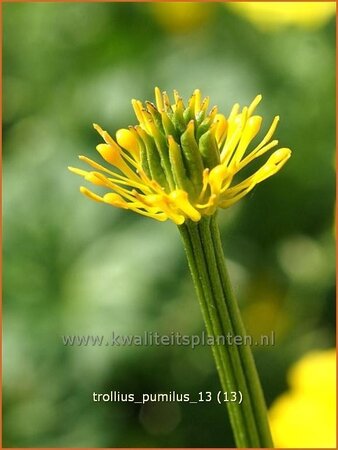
pixel 181 161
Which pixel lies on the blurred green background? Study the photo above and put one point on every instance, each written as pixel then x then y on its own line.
pixel 72 266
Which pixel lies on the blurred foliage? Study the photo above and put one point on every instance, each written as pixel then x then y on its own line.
pixel 75 267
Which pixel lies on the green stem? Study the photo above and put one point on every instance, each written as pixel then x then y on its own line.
pixel 235 364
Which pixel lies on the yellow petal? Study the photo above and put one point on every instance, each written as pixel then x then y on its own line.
pixel 127 140
pixel 90 194
pixel 98 181
pixel 159 100
pixel 273 164
pixel 77 171
pixel 251 129
pixel 216 177
pixel 181 201
pixel 115 200
pixel 137 106
pixel 104 134
pixel 197 94
pixel 110 154
pixel 254 104
pixel 221 127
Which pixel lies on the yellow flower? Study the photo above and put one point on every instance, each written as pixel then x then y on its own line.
pixel 180 162
pixel 305 416
pixel 273 15
pixel 181 17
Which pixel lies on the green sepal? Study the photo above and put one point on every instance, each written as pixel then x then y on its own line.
pixel 203 127
pixel 156 116
pixel 166 101
pixel 201 115
pixel 144 162
pixel 206 123
pixel 189 113
pixel 169 127
pixel 209 150
pixel 143 151
pixel 162 148
pixel 192 157
pixel 177 166
pixel 178 118
pixel 153 159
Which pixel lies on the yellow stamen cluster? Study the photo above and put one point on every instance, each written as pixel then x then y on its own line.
pixel 180 161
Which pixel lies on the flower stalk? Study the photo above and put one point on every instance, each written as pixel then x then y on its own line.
pixel 235 364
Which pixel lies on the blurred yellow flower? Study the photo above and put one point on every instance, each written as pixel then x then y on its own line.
pixel 180 161
pixel 305 416
pixel 180 17
pixel 273 15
